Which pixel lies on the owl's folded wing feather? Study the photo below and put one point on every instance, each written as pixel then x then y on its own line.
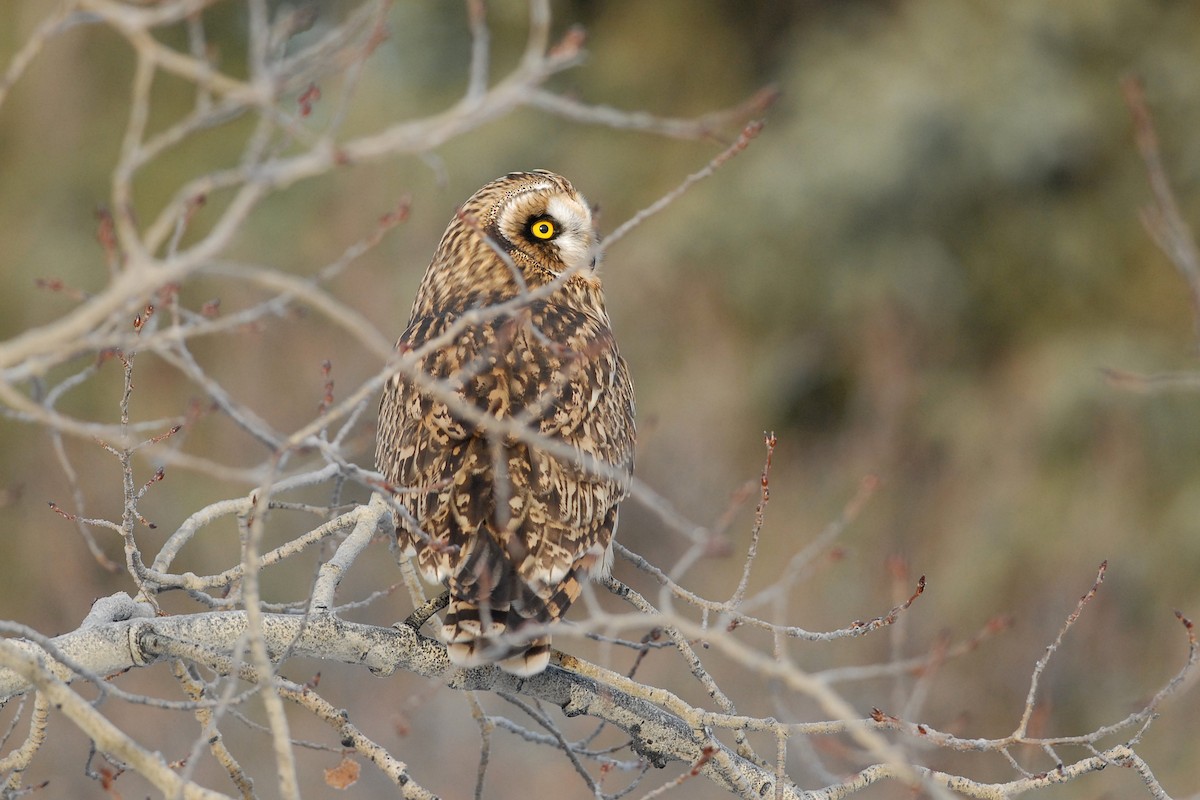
pixel 430 453
pixel 586 398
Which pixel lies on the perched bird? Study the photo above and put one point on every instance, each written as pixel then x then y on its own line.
pixel 507 526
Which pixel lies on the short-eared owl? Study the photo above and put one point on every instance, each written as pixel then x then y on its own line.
pixel 507 526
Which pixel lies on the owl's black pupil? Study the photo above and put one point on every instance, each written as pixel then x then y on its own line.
pixel 542 228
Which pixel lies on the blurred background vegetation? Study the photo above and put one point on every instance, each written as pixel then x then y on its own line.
pixel 919 271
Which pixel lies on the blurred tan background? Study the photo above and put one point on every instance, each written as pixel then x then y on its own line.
pixel 919 271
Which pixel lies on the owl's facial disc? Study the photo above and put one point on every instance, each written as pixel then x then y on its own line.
pixel 552 227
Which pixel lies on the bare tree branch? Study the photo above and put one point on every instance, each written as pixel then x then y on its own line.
pixel 297 491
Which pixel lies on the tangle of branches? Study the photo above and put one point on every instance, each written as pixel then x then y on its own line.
pixel 223 637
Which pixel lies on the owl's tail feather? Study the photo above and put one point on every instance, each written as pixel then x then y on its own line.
pixel 532 660
pixel 477 634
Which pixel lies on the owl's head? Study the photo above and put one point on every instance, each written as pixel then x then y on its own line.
pixel 539 219
pixel 543 228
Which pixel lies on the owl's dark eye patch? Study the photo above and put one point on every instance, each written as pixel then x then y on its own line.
pixel 541 229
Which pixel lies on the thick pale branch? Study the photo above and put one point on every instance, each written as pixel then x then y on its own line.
pixel 657 735
pixel 28 667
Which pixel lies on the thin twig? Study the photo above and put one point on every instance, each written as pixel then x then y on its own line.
pixel 748 134
pixel 1163 220
pixel 1040 667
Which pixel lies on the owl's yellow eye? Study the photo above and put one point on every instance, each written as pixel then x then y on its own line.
pixel 542 229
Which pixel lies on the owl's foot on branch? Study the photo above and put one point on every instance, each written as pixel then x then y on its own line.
pixel 421 615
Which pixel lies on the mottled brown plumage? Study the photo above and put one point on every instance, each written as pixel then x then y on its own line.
pixel 507 527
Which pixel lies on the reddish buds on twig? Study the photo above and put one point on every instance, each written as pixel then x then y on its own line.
pixel 194 204
pixel 60 286
pixel 106 235
pixel 64 514
pixel 141 319
pixel 326 399
pixel 163 436
pixel 306 99
pixel 396 215
pixel 571 43
pixel 109 353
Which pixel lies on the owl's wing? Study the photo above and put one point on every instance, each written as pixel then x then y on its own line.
pixel 429 454
pixel 570 517
pixel 570 386
pixel 585 401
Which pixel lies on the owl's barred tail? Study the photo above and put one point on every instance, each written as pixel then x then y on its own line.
pixel 477 634
pixel 472 640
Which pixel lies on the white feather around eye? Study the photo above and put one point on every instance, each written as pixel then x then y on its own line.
pixel 577 239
